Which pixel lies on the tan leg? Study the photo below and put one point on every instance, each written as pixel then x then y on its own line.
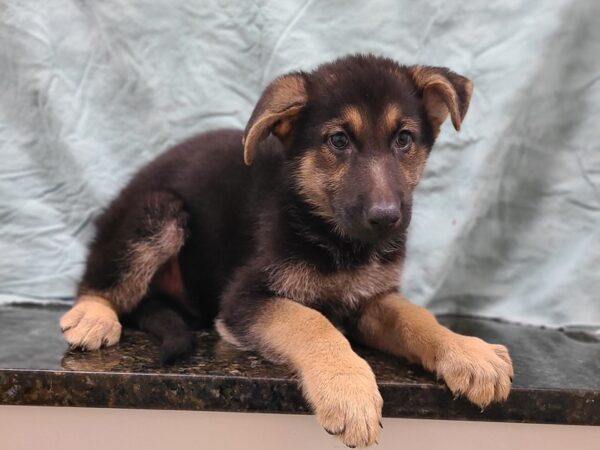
pixel 91 323
pixel 338 384
pixel 480 371
pixel 130 247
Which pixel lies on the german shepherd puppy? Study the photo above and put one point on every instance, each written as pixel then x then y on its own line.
pixel 305 239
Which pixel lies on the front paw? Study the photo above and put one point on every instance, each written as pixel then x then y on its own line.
pixel 346 400
pixel 471 367
pixel 91 323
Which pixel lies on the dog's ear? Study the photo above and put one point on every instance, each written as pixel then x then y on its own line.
pixel 275 112
pixel 444 92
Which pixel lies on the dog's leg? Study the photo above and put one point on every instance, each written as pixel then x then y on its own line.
pixel 471 367
pixel 338 384
pixel 130 246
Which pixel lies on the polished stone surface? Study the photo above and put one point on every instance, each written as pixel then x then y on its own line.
pixel 557 374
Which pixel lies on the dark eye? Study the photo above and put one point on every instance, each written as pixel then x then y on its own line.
pixel 339 141
pixel 403 140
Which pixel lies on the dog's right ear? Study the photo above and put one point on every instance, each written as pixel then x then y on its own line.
pixel 275 112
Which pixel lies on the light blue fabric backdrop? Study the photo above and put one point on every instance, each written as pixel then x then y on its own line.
pixel 507 219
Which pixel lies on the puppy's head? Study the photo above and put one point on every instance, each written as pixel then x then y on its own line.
pixel 357 133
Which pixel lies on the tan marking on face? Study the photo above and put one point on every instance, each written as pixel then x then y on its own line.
pixel 304 283
pixel 332 126
pixel 334 170
pixel 391 117
pixel 393 121
pixel 353 116
pixel 414 161
pixel 410 125
pixel 471 367
pixel 336 178
pixel 329 158
pixel 91 323
pixel 338 384
pixel 413 165
pixel 312 181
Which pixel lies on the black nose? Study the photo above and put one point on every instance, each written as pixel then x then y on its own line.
pixel 382 217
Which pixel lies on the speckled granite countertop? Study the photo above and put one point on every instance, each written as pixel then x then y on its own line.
pixel 557 374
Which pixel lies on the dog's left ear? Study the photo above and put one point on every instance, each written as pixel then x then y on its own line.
pixel 275 112
pixel 444 92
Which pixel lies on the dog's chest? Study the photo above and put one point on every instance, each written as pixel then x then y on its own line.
pixel 302 282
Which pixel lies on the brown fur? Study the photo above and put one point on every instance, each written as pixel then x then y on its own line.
pixel 145 259
pixel 312 180
pixel 348 288
pixel 286 98
pixel 471 367
pixel 339 385
pixel 355 119
pixel 440 95
pixel 391 116
pixel 415 165
pixel 93 321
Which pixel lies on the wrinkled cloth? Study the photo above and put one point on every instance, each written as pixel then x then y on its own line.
pixel 507 218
